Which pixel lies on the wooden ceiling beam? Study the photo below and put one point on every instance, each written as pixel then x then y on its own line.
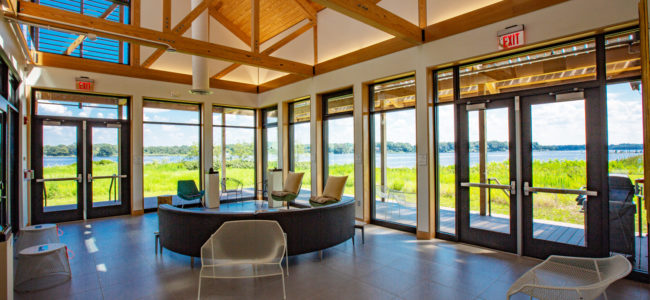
pixel 180 28
pixel 57 18
pixel 243 36
pixel 82 37
pixel 368 12
pixel 167 15
pixel 135 21
pixel 308 9
pixel 279 44
pixel 255 26
pixel 422 13
pixel 75 63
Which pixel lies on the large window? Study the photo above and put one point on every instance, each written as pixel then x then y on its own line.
pixel 338 138
pixel 234 150
pixel 445 156
pixel 394 176
pixel 171 148
pixel 269 142
pixel 79 44
pixel 299 144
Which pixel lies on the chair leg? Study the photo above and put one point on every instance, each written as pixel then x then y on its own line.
pixel 363 235
pixel 192 262
pixel 199 296
pixel 284 290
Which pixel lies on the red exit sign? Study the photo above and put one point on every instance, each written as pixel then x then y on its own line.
pixel 84 84
pixel 511 37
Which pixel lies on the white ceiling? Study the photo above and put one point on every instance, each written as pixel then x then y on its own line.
pixel 337 35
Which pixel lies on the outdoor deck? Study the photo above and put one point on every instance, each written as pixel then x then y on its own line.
pixel 544 230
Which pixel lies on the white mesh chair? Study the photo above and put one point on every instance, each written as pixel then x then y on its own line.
pixel 564 277
pixel 245 249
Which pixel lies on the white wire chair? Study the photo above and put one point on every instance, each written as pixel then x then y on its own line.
pixel 245 249
pixel 565 277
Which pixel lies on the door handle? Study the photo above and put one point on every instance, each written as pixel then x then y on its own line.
pixel 529 189
pixel 90 177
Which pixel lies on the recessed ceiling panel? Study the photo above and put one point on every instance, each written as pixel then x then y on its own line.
pixel 407 10
pixel 339 35
pixel 440 10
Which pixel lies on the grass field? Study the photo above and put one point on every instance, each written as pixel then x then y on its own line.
pixel 161 178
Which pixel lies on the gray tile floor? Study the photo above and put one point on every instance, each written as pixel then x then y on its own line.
pixel 114 258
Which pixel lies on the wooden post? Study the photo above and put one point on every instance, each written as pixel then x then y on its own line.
pixel 482 142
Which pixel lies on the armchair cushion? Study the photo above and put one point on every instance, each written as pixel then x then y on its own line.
pixel 334 187
pixel 322 199
pixel 280 193
pixel 292 184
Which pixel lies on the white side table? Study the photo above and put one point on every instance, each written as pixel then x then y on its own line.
pixel 37 235
pixel 42 266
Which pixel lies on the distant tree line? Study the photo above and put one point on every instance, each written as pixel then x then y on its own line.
pixel 496 146
pixel 246 150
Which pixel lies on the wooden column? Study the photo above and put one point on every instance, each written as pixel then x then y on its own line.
pixel 318 146
pixel 223 146
pixel 367 150
pixel 482 141
pixel 258 154
pixel 284 127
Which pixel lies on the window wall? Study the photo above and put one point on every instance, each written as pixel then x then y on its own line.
pixel 394 175
pixel 171 148
pixel 234 149
pixel 338 138
pixel 300 144
pixel 270 152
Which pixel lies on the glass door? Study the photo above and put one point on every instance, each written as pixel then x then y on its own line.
pixel 107 169
pixel 563 170
pixel 487 174
pixel 79 170
pixel 57 190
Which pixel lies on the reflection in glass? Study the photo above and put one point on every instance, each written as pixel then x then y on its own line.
pixel 628 229
pixel 489 138
pixel 60 161
pixel 446 168
pixel 301 160
pixel 395 177
pixel 105 162
pixel 559 126
pixel 171 153
pixel 340 151
pixel 567 63
pixel 240 157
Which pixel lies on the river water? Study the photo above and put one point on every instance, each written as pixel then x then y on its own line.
pixel 395 160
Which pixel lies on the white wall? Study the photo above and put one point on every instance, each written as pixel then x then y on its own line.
pixel 561 20
pixel 47 77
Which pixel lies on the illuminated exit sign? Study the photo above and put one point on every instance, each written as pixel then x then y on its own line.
pixel 84 84
pixel 511 37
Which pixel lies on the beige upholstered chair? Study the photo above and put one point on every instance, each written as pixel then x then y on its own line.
pixel 332 193
pixel 291 188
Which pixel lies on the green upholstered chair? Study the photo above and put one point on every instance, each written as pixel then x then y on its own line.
pixel 290 189
pixel 187 191
pixel 332 193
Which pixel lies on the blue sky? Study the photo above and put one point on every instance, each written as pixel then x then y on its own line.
pixel 556 124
